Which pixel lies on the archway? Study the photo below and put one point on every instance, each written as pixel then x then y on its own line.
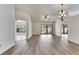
pixel 20 30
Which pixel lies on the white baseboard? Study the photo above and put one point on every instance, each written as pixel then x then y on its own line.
pixel 74 41
pixel 7 48
pixel 36 34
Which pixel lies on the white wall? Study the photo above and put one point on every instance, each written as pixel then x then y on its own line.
pixel 26 17
pixel 29 27
pixel 36 28
pixel 58 27
pixel 7 27
pixel 73 26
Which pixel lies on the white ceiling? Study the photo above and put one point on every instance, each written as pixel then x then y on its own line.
pixel 38 10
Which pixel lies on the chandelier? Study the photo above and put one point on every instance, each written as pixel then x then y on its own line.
pixel 45 17
pixel 62 13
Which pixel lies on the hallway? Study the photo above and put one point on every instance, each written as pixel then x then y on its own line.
pixel 44 45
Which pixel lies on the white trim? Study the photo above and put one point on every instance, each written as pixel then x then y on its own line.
pixel 7 48
pixel 74 41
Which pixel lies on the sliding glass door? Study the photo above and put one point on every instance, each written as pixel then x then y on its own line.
pixel 64 29
pixel 46 29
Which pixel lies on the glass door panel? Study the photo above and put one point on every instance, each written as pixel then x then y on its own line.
pixel 46 29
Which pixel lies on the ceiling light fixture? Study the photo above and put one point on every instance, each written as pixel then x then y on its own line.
pixel 45 17
pixel 62 13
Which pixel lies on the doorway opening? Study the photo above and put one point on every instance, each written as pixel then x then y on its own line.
pixel 20 30
pixel 65 32
pixel 47 29
pixel 64 29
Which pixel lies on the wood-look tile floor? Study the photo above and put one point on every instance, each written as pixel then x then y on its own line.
pixel 44 45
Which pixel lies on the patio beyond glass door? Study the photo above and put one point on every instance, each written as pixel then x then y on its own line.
pixel 46 29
